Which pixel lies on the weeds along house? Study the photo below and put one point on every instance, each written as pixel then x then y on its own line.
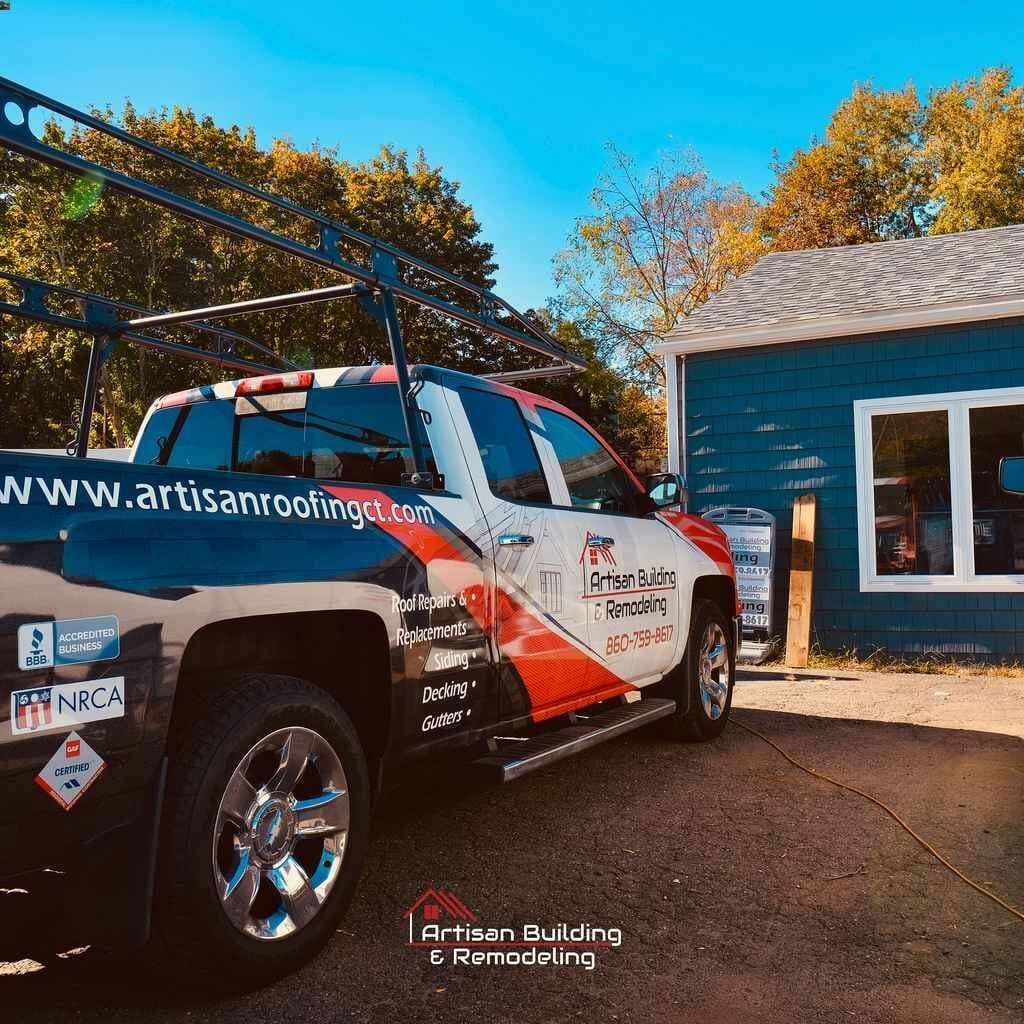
pixel 889 380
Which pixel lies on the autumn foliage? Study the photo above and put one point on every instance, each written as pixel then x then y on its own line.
pixel 656 244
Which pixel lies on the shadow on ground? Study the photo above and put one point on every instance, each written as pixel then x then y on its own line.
pixel 745 890
pixel 783 675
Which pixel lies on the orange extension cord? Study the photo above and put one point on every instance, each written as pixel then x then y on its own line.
pixel 892 814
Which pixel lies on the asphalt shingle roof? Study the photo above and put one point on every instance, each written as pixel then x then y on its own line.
pixel 817 284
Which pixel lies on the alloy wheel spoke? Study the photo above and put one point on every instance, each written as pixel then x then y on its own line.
pixel 238 797
pixel 323 814
pixel 298 896
pixel 294 758
pixel 239 891
pixel 719 655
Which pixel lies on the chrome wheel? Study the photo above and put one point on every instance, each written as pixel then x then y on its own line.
pixel 280 834
pixel 714 671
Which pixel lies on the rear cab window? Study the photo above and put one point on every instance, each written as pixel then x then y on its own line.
pixel 352 433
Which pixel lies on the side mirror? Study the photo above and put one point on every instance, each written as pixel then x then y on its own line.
pixel 667 489
pixel 1011 475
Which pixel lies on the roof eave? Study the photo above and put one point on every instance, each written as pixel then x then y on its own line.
pixel 839 326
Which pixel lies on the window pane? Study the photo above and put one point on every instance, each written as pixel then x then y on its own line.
pixel 595 480
pixel 997 432
pixel 357 433
pixel 506 448
pixel 270 432
pixel 912 507
pixel 194 436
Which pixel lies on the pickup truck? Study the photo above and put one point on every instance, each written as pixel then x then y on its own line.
pixel 216 652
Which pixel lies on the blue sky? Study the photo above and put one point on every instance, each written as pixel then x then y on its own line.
pixel 515 101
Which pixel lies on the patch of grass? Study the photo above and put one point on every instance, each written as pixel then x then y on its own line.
pixel 851 660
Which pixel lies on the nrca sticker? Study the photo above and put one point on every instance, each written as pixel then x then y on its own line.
pixel 74 767
pixel 65 704
pixel 68 642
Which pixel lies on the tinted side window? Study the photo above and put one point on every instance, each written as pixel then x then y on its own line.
pixel 510 459
pixel 595 480
pixel 357 433
pixel 194 436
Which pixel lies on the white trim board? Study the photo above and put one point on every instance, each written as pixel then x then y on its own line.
pixel 840 326
pixel 672 419
pixel 956 404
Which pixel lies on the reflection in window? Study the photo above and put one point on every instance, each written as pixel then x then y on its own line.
pixel 997 432
pixel 506 448
pixel 357 433
pixel 196 436
pixel 595 480
pixel 912 506
pixel 270 431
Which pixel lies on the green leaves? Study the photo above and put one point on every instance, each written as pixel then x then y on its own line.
pixel 83 195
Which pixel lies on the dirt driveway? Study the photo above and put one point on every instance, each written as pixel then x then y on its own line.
pixel 746 891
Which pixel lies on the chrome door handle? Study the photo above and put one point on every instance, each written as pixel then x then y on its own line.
pixel 510 540
pixel 600 542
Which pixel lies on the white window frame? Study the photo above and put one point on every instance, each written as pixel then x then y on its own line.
pixel 957 406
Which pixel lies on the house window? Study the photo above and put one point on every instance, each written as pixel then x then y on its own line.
pixel 931 515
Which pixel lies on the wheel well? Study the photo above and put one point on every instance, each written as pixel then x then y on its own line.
pixel 345 653
pixel 720 589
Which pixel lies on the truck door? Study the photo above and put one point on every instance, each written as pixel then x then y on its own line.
pixel 626 561
pixel 540 617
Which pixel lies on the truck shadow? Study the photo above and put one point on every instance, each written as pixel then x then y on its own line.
pixel 625 810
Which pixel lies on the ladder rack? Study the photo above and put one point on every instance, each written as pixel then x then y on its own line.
pixel 377 278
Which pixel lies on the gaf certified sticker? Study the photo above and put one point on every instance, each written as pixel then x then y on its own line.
pixel 71 771
pixel 62 705
pixel 68 642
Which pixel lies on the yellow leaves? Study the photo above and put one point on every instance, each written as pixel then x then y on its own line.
pixel 654 247
pixel 974 148
pixel 892 167
pixel 861 183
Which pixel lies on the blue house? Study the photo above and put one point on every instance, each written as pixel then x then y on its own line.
pixel 887 379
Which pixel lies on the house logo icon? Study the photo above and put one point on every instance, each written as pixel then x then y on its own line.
pixel 434 905
pixel 593 548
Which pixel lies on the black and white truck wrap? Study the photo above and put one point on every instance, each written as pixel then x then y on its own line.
pixel 257 576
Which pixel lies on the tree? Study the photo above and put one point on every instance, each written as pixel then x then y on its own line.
pixel 74 232
pixel 630 418
pixel 974 151
pixel 655 247
pixel 863 182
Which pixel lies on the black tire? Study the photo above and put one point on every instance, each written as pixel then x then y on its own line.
pixel 190 922
pixel 693 721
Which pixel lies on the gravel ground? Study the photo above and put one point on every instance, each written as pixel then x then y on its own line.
pixel 745 889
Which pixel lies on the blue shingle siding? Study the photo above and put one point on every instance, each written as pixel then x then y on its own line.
pixel 764 425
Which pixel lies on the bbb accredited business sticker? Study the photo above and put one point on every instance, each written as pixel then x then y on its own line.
pixel 68 642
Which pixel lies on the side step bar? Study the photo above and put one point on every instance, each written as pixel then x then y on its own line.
pixel 514 757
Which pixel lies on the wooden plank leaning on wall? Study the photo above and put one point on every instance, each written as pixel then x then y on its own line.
pixel 801 582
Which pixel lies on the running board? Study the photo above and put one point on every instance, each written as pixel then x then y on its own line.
pixel 513 757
